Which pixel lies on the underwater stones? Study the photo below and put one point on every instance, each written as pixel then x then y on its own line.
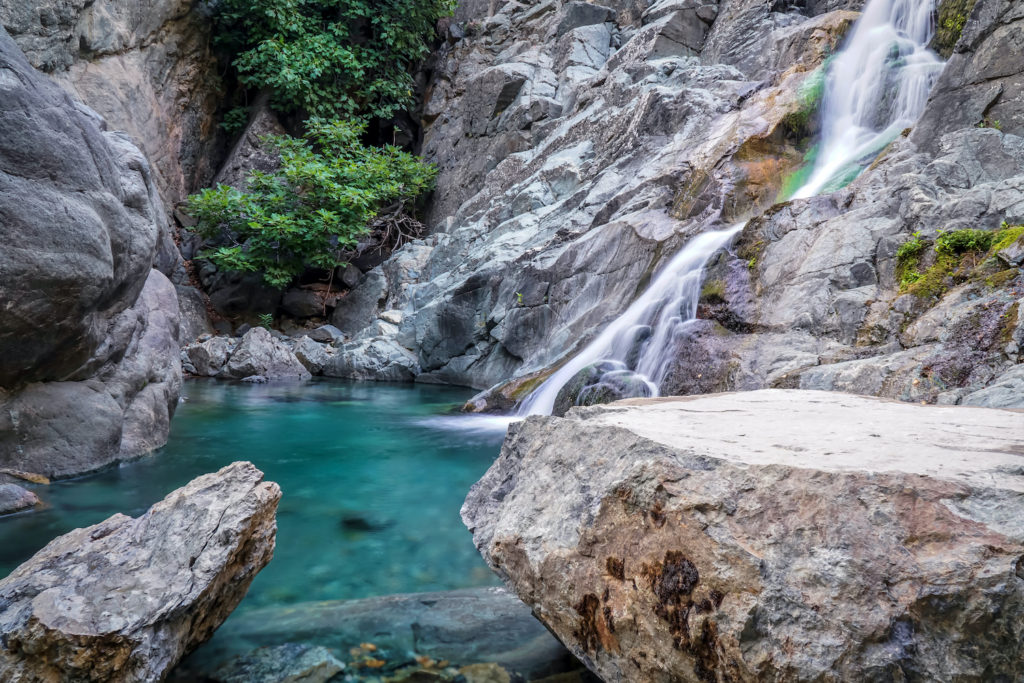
pixel 13 498
pixel 770 535
pixel 125 599
pixel 288 663
pixel 485 626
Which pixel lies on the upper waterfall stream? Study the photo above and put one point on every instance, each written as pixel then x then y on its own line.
pixel 875 87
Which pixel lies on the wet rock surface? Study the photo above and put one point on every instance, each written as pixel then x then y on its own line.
pixel 766 536
pixel 125 599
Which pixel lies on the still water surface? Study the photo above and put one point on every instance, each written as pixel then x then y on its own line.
pixel 373 477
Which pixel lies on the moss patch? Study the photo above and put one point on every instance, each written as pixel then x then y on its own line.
pixel 957 256
pixel 952 17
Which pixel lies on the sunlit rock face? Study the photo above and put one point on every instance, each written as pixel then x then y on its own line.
pixel 88 368
pixel 125 599
pixel 765 536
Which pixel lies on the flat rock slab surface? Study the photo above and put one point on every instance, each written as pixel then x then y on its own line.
pixel 834 432
pixel 766 536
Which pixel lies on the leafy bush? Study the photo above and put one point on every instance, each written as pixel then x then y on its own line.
pixel 331 58
pixel 962 241
pixel 312 210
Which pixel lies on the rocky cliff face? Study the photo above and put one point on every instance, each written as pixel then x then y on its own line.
pixel 581 145
pixel 88 337
pixel 766 536
pixel 146 67
pixel 125 599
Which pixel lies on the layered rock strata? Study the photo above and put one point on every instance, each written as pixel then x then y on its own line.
pixel 764 536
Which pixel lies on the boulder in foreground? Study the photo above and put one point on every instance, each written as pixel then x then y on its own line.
pixel 771 535
pixel 125 599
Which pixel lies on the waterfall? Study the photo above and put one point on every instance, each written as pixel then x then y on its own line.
pixel 875 87
pixel 643 336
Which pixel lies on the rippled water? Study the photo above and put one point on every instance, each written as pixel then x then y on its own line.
pixel 373 477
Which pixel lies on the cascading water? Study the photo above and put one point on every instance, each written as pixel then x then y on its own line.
pixel 643 336
pixel 876 86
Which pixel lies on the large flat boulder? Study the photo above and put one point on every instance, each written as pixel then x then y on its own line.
pixel 771 535
pixel 125 599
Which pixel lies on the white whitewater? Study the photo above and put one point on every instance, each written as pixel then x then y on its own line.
pixel 875 87
pixel 659 315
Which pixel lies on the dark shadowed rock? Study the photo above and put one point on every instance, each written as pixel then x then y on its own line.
pixel 125 599
pixel 766 536
pixel 288 663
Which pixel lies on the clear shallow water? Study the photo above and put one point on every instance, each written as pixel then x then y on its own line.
pixel 373 477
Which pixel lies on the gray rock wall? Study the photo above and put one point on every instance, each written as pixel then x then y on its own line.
pixel 578 148
pixel 88 364
pixel 146 66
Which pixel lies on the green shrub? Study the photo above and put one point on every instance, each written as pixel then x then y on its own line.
pixel 310 212
pixel 331 58
pixel 960 242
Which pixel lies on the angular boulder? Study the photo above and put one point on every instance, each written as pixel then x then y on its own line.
pixel 772 535
pixel 259 354
pixel 125 599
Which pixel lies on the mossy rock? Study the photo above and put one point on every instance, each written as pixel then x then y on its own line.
pixel 952 17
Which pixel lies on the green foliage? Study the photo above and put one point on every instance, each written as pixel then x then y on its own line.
pixel 959 242
pixel 331 58
pixel 1007 235
pixel 265 320
pixel 908 258
pixel 309 212
pixel 959 255
pixel 235 120
pixel 990 123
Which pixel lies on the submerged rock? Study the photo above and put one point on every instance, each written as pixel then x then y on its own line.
pixel 772 535
pixel 13 498
pixel 289 663
pixel 483 625
pixel 125 599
